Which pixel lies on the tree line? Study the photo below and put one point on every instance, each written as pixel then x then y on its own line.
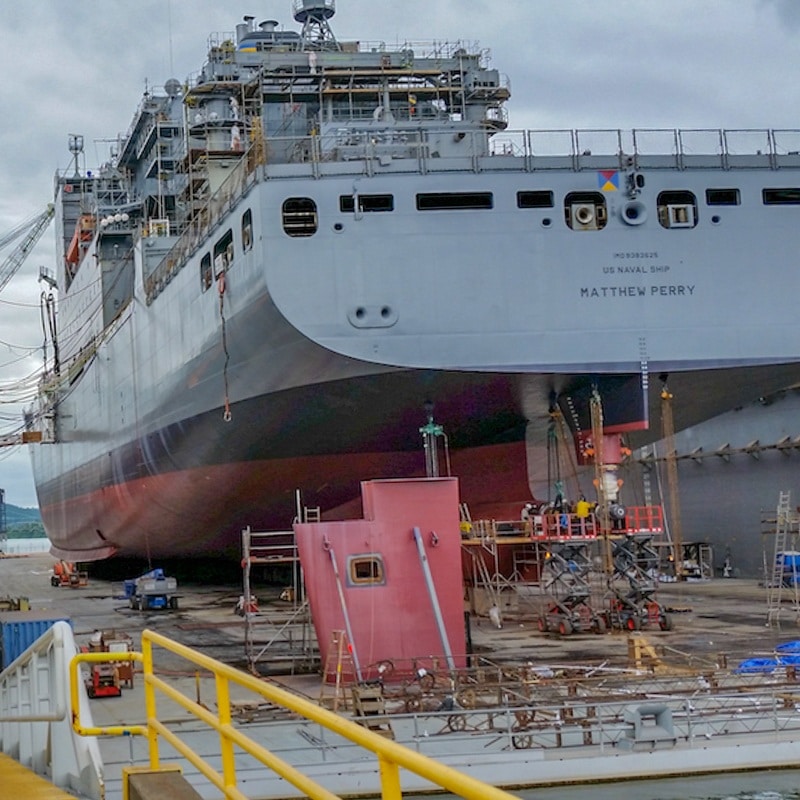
pixel 26 530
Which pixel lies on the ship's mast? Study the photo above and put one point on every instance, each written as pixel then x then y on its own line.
pixel 314 16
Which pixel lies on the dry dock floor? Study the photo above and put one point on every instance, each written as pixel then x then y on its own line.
pixel 715 620
pixel 721 617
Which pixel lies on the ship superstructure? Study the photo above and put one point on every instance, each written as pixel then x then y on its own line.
pixel 294 253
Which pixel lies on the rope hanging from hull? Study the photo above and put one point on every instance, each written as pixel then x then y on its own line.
pixel 226 416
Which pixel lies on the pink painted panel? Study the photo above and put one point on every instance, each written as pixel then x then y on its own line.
pixel 391 620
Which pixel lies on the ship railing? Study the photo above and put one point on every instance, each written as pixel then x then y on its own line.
pixel 192 236
pixel 644 519
pixel 408 148
pixel 563 526
pixel 434 49
pixel 474 719
pixel 428 49
pixel 490 684
pixel 690 720
pixel 233 739
pixel 532 150
pixel 35 723
pixel 491 529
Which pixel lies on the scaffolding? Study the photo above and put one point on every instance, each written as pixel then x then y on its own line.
pixel 782 570
pixel 554 558
pixel 283 633
pixel 504 565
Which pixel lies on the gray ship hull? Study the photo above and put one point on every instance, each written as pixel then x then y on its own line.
pixel 731 470
pixel 244 316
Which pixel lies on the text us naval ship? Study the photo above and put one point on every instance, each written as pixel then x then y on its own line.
pixel 295 255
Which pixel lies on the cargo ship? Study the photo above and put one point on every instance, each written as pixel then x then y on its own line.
pixel 322 260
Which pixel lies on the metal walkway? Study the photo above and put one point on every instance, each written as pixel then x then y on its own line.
pixel 46 724
pixel 18 781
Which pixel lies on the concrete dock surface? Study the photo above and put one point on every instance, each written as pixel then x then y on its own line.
pixel 716 622
pixel 720 617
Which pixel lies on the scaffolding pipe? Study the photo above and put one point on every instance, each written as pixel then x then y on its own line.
pixel 437 610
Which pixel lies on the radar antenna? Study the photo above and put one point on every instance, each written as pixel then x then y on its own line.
pixel 314 16
pixel 76 148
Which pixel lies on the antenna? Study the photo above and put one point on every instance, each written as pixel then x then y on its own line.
pixel 314 16
pixel 169 29
pixel 76 148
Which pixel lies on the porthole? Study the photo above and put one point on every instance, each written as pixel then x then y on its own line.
pixel 223 253
pixel 366 570
pixel 206 273
pixel 677 209
pixel 247 230
pixel 300 216
pixel 585 211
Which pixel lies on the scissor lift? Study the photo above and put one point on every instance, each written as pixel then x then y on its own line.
pixel 565 581
pixel 633 585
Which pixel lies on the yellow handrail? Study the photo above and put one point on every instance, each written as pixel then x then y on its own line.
pixel 391 756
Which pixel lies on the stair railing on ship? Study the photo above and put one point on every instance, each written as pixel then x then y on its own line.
pixel 390 755
pixel 35 720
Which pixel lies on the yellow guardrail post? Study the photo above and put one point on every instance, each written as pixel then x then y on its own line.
pixel 390 755
pixel 150 702
pixel 225 742
pixel 112 730
pixel 390 779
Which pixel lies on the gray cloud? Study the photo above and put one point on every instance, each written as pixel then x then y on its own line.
pixel 788 11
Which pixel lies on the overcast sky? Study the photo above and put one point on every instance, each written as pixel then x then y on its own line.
pixel 81 68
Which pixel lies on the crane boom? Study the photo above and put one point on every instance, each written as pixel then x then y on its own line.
pixel 18 230
pixel 35 228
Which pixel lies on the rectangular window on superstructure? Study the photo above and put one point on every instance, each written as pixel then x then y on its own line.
pixel 537 199
pixel 722 197
pixel 451 201
pixel 366 202
pixel 223 253
pixel 206 273
pixel 781 197
pixel 300 217
pixel 247 230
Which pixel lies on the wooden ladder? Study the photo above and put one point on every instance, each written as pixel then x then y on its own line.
pixel 370 710
pixel 338 656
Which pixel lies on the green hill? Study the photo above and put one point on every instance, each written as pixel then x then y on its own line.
pixel 16 515
pixel 23 523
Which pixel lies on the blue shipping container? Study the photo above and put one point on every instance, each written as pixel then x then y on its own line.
pixel 20 629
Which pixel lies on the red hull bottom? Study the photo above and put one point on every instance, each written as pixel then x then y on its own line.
pixel 202 512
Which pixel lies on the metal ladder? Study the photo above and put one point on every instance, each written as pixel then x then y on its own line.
pixel 775 573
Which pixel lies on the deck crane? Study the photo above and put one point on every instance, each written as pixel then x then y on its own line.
pixel 31 230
